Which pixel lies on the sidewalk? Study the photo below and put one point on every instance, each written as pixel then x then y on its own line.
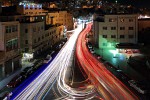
pixel 6 80
pixel 25 63
pixel 119 60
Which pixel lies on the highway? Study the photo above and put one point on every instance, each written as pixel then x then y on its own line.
pixel 106 83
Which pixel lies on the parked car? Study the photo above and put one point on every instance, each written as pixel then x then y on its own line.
pixel 24 75
pixel 37 64
pixel 139 86
pixel 15 81
pixel 122 75
pixel 28 71
pixel 4 95
pixel 47 59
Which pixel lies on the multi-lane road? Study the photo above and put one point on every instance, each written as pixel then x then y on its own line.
pixel 52 80
pixel 38 85
pixel 107 84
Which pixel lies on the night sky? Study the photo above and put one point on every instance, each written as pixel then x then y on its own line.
pixel 137 3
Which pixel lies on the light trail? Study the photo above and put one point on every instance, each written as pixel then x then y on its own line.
pixel 107 84
pixel 38 87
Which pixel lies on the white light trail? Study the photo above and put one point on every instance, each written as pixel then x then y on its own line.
pixel 38 87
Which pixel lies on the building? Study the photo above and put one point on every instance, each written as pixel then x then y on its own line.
pixel 110 29
pixel 36 37
pixel 0 7
pixel 143 24
pixel 31 37
pixel 29 8
pixel 60 17
pixel 144 31
pixel 53 34
pixel 9 47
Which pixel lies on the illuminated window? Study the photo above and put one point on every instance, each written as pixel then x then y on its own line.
pixel 112 20
pixel 121 20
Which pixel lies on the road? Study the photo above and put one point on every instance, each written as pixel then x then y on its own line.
pixel 106 83
pixel 38 84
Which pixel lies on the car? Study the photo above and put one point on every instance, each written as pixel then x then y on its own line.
pixel 108 64
pixel 47 59
pixel 90 46
pixel 129 52
pixel 37 64
pixel 15 81
pixel 28 71
pixel 24 75
pixel 135 51
pixel 141 88
pixel 5 95
pixel 122 75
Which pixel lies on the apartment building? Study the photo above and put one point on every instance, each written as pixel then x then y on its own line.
pixel 53 34
pixel 60 17
pixel 29 8
pixel 31 37
pixel 110 30
pixel 9 47
pixel 35 37
pixel 144 30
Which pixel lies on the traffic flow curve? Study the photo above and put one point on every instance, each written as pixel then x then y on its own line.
pixel 38 84
pixel 107 84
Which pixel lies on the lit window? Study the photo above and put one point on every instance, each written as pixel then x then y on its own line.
pixel 112 20
pixel 121 20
